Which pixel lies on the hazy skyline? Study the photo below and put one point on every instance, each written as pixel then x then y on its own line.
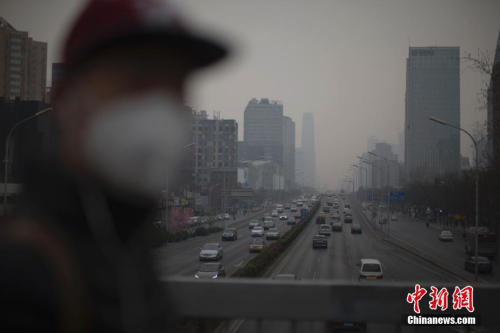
pixel 345 61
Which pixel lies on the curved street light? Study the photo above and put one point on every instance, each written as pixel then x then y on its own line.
pixel 476 254
pixel 6 160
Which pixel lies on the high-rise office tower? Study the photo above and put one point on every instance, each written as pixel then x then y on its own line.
pixel 263 130
pixel 432 90
pixel 308 148
pixel 23 65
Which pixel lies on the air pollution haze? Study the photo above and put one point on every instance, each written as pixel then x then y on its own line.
pixel 344 61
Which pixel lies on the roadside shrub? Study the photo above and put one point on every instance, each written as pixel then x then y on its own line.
pixel 201 231
pixel 214 230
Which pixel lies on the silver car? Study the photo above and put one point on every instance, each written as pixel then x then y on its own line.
pixel 257 232
pixel 211 251
pixel 273 233
pixel 446 236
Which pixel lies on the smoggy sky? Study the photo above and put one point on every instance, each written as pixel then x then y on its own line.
pixel 344 61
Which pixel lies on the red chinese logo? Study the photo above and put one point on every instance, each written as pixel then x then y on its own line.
pixel 439 299
pixel 416 297
pixel 462 298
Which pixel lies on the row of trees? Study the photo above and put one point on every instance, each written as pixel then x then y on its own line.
pixel 452 195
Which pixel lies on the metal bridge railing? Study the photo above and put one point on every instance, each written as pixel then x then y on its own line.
pixel 325 301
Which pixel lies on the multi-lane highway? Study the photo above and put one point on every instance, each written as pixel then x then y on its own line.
pixel 182 259
pixel 338 262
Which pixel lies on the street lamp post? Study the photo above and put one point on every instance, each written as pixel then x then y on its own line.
pixel 476 254
pixel 6 169
pixel 381 177
pixel 388 188
pixel 355 180
pixel 360 184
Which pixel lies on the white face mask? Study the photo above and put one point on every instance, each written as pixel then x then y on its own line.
pixel 132 142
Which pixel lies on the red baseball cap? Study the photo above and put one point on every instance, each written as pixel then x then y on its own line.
pixel 105 22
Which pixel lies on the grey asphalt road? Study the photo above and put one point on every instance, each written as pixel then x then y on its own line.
pixel 182 259
pixel 416 233
pixel 338 262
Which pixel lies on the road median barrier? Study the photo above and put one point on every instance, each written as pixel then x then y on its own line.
pixel 261 263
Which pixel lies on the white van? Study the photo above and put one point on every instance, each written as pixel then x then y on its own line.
pixel 370 269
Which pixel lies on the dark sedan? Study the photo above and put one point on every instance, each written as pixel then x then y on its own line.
pixel 210 271
pixel 485 265
pixel 320 241
pixel 356 229
pixel 337 226
pixel 291 222
pixel 230 234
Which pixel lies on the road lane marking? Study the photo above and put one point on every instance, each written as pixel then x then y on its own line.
pixel 239 264
pixel 393 281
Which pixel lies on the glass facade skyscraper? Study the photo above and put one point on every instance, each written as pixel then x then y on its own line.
pixel 432 90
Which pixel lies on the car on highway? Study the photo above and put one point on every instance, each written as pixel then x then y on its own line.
pixel 210 270
pixel 291 222
pixel 329 203
pixel 326 209
pixel 211 251
pixel 334 218
pixel 294 202
pixel 337 226
pixel 356 229
pixel 268 225
pixel 320 241
pixel 370 269
pixel 274 213
pixel 273 233
pixel 253 224
pixel 226 216
pixel 299 204
pixel 286 277
pixel 347 218
pixel 394 218
pixel 267 218
pixel 283 217
pixel 321 218
pixel 287 206
pixel 293 209
pixel 257 232
pixel 346 210
pixel 484 266
pixel 446 236
pixel 325 229
pixel 347 206
pixel 257 245
pixel 230 234
pixel 310 204
pixel 255 209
